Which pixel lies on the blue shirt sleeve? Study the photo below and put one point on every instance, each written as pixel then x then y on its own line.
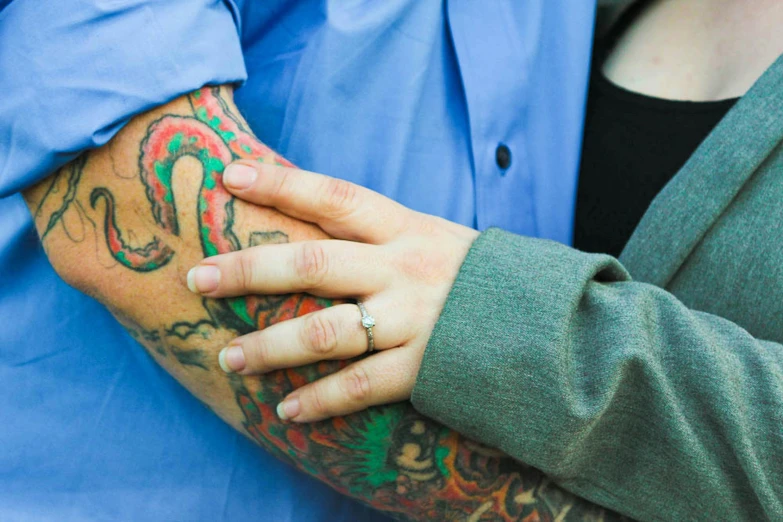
pixel 72 73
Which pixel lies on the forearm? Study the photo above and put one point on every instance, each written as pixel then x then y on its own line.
pixel 125 223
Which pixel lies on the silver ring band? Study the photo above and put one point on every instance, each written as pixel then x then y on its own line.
pixel 368 322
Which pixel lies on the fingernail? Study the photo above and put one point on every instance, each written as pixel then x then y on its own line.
pixel 232 359
pixel 202 279
pixel 238 176
pixel 288 409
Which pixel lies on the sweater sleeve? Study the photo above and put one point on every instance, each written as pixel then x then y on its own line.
pixel 615 389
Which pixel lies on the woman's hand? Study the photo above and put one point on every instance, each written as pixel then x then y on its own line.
pixel 399 263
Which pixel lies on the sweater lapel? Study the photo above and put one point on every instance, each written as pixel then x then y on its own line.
pixel 694 199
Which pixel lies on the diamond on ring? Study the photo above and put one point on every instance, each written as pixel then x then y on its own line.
pixel 368 322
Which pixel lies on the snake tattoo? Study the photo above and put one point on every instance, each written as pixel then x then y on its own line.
pixel 215 137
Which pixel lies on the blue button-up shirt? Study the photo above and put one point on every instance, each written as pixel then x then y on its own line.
pixel 409 97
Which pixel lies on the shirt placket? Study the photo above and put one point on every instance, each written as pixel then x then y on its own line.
pixel 493 51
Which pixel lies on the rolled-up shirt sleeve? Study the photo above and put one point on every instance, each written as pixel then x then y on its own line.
pixel 72 73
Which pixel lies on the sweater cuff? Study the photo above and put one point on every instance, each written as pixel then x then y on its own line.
pixel 492 351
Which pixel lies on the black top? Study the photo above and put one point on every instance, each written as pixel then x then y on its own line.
pixel 633 145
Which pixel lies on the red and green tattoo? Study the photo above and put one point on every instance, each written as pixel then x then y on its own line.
pixel 390 457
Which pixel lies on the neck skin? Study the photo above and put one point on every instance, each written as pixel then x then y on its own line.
pixel 697 50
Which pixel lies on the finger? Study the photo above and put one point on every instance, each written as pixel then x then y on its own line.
pixel 382 378
pixel 333 333
pixel 327 268
pixel 341 208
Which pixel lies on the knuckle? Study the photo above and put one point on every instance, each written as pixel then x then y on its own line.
pixel 321 334
pixel 423 266
pixel 282 189
pixel 356 384
pixel 317 401
pixel 311 264
pixel 257 353
pixel 247 270
pixel 426 226
pixel 341 198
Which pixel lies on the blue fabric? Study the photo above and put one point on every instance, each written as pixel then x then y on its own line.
pixel 408 97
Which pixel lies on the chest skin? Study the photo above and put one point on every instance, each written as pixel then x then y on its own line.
pixel 696 50
pixel 736 270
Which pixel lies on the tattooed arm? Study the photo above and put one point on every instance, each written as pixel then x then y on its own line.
pixel 124 223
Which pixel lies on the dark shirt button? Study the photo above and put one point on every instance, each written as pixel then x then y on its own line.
pixel 503 156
